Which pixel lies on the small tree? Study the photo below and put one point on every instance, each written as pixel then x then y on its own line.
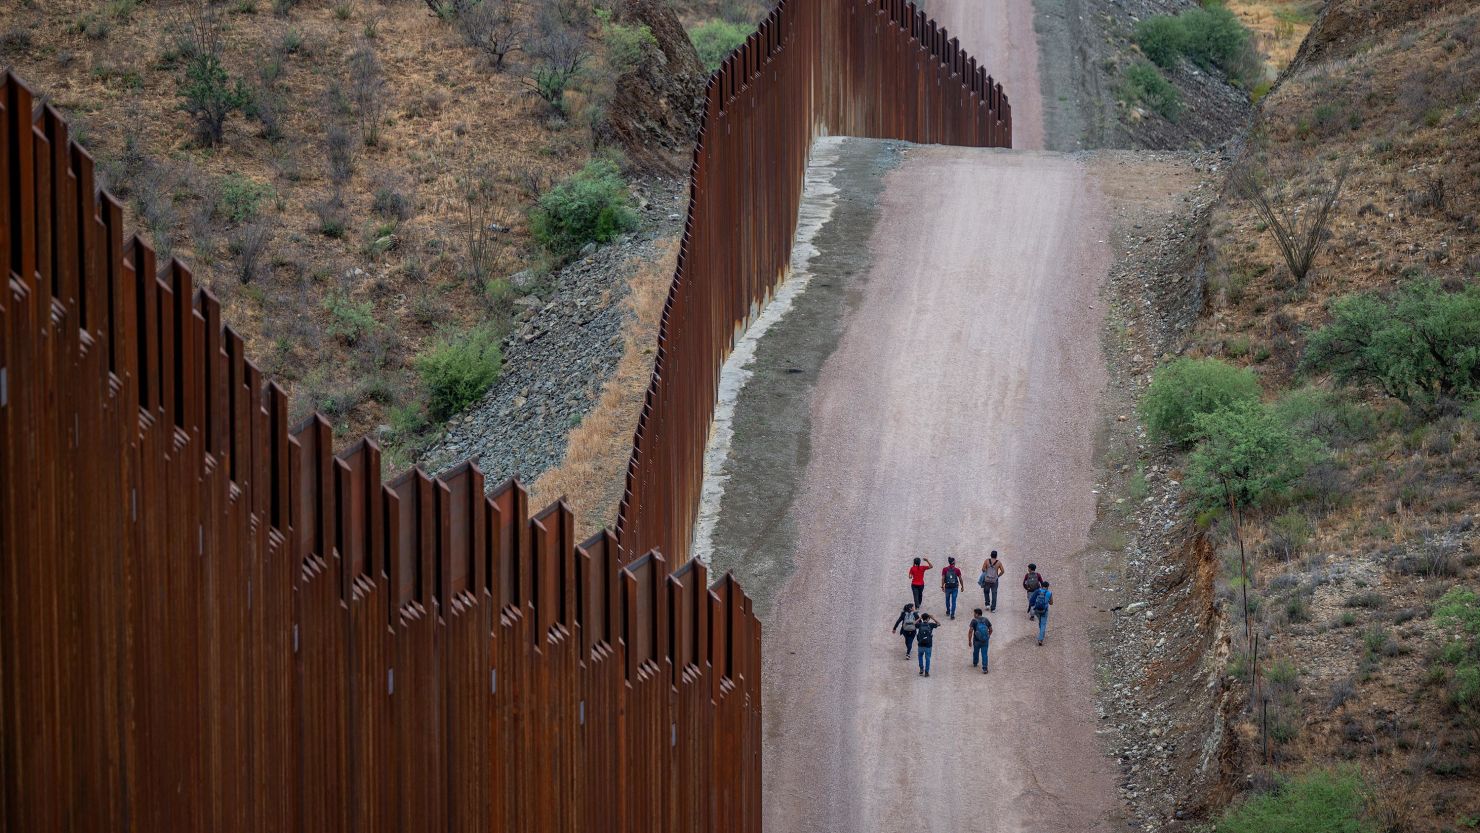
pixel 1420 346
pixel 367 92
pixel 558 57
pixel 494 27
pixel 1298 231
pixel 1187 388
pixel 206 92
pixel 1246 454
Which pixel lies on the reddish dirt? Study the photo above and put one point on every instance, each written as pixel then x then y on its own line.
pixel 956 415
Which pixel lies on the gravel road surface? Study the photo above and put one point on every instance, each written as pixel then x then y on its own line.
pixel 956 415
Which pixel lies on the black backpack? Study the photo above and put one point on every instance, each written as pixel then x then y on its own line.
pixel 926 636
pixel 953 578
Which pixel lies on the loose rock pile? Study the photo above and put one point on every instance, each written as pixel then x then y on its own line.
pixel 565 344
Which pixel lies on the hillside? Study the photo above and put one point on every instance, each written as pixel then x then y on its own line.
pixel 1353 462
pixel 369 195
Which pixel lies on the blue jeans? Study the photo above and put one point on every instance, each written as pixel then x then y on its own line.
pixel 989 595
pixel 980 651
pixel 951 594
pixel 924 655
pixel 1042 623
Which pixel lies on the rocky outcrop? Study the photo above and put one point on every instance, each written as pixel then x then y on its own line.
pixel 654 114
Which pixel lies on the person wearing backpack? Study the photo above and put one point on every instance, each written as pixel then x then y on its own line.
pixel 917 580
pixel 979 635
pixel 992 571
pixel 905 625
pixel 1039 601
pixel 1031 582
pixel 925 641
pixel 950 584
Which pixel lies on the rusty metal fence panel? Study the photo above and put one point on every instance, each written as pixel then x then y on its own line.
pixel 871 68
pixel 210 621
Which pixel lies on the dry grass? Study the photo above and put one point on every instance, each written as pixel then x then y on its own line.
pixel 1278 26
pixel 591 476
pixel 442 114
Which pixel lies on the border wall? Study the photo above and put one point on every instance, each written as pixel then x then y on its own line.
pixel 871 68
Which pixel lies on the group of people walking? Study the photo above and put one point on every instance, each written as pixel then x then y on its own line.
pixel 918 627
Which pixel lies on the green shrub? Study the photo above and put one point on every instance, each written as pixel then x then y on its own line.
pixel 241 197
pixel 1245 450
pixel 1162 38
pixel 349 321
pixel 1327 417
pixel 626 46
pixel 1187 388
pixel 459 369
pixel 1322 801
pixel 1143 83
pixel 1419 345
pixel 1460 609
pixel 208 94
pixel 716 39
pixel 589 206
pixel 1210 36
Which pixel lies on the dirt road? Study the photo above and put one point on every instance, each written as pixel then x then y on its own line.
pixel 956 415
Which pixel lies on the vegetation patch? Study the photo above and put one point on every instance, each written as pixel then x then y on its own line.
pixel 1323 801
pixel 459 369
pixel 591 206
pixel 716 39
pixel 1143 83
pixel 1186 389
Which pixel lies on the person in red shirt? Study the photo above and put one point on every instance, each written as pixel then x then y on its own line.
pixel 917 579
pixel 950 584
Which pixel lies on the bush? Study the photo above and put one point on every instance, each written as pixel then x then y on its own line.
pixel 716 39
pixel 626 46
pixel 1319 413
pixel 248 244
pixel 589 206
pixel 1143 83
pixel 1322 801
pixel 240 197
pixel 1243 449
pixel 1162 38
pixel 1460 609
pixel 1420 345
pixel 209 95
pixel 349 321
pixel 1210 36
pixel 367 91
pixel 558 59
pixel 1187 388
pixel 1289 533
pixel 459 369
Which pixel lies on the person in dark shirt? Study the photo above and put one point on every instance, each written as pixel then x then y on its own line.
pixel 1032 580
pixel 950 584
pixel 905 625
pixel 925 641
pixel 979 636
